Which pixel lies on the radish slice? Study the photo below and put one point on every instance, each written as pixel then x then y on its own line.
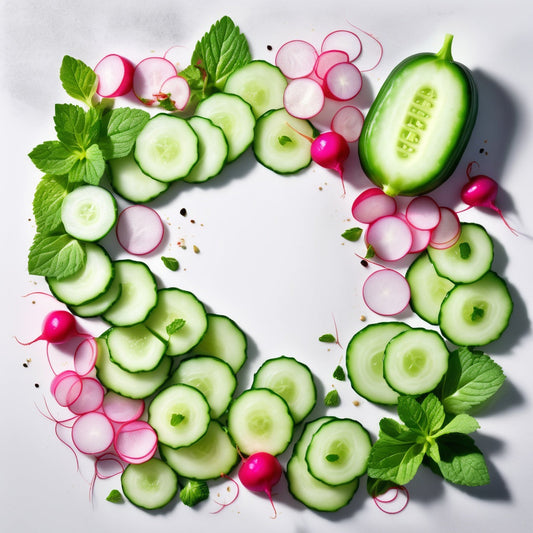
pixel 120 409
pixel 296 59
pixel 92 433
pixel 115 76
pixel 90 398
pixel 386 292
pixel 344 40
pixel 66 387
pixel 343 81
pixel 423 213
pixel 177 90
pixel 421 237
pixel 327 59
pixel 139 229
pixel 303 98
pixel 348 122
pixel 447 232
pixel 390 237
pixel 136 442
pixel 148 77
pixel 85 356
pixel 372 204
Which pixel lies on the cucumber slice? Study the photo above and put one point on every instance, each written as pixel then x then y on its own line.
pixel 278 145
pixel 259 83
pixel 99 305
pixel 138 294
pixel 213 377
pixel 180 415
pixel 88 213
pixel 234 116
pixel 89 283
pixel 260 421
pixel 338 452
pixel 290 379
pixel 212 150
pixel 428 289
pixel 468 259
pixel 149 485
pixel 166 148
pixel 364 361
pixel 474 314
pixel 181 311
pixel 208 458
pixel 415 361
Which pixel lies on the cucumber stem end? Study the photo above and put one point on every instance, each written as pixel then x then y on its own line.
pixel 445 53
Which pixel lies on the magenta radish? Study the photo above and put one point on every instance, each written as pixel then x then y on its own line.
pixel 66 387
pixel 115 76
pixel 390 237
pixel 148 77
pixel 85 356
pixel 343 81
pixel 176 92
pixel 423 213
pixel 303 98
pixel 296 59
pixel 139 229
pixel 348 122
pixel 448 230
pixel 135 442
pixel 372 204
pixel 90 398
pixel 121 409
pixel 92 433
pixel 386 292
pixel 327 59
pixel 343 40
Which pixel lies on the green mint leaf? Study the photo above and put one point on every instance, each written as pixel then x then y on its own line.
pixel 193 492
pixel 413 415
pixel 176 419
pixel 175 325
pixel 55 256
pixel 171 263
pixel 370 252
pixel 464 250
pixel 75 127
pixel 435 414
pixel 461 423
pixel 352 234
pixel 47 201
pixel 90 168
pixel 197 85
pixel 284 139
pixel 332 457
pixel 477 313
pixel 327 337
pixel 78 80
pixel 339 373
pixel 433 452
pixel 115 497
pixel 391 427
pixel 53 157
pixel 332 399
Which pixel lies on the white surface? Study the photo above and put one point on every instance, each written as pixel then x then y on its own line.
pixel 271 256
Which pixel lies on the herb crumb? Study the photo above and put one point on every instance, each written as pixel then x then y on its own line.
pixel 332 398
pixel 115 497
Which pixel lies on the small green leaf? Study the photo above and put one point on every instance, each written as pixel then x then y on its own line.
pixel 352 234
pixel 171 263
pixel 115 497
pixel 465 250
pixel 339 373
pixel 47 201
pixel 176 419
pixel 53 157
pixel 327 337
pixel 284 139
pixel 477 314
pixel 332 457
pixel 461 423
pixel 370 252
pixel 332 399
pixel 78 80
pixel 89 168
pixel 175 325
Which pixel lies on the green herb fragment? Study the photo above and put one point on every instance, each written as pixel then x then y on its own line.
pixel 332 399
pixel 284 139
pixel 176 419
pixel 352 234
pixel 115 497
pixel 175 325
pixel 78 80
pixel 193 492
pixel 465 250
pixel 332 457
pixel 47 201
pixel 171 263
pixel 339 373
pixel 370 252
pixel 327 337
pixel 477 314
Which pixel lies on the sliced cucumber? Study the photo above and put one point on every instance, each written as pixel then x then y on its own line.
pixel 428 289
pixel 213 377
pixel 180 313
pixel 166 148
pixel 89 283
pixel 99 305
pixel 415 361
pixel 208 458
pixel 212 150
pixel 292 380
pixel 260 421
pixel 278 145
pixel 234 116
pixel 364 361
pixel 149 485
pixel 180 415
pixel 338 452
pixel 468 259
pixel 259 83
pixel 474 314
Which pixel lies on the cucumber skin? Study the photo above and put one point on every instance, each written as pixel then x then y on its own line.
pixel 367 161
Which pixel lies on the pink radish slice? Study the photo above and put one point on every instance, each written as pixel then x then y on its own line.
pixel 148 77
pixel 423 213
pixel 372 204
pixel 327 59
pixel 303 98
pixel 421 237
pixel 296 59
pixel 177 90
pixel 390 237
pixel 66 387
pixel 345 41
pixel 90 398
pixel 343 81
pixel 107 466
pixel 386 292
pixel 348 122
pixel 92 433
pixel 139 229
pixel 136 442
pixel 120 409
pixel 115 76
pixel 448 230
pixel 85 356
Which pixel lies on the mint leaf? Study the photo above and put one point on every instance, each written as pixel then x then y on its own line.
pixel 284 139
pixel 435 414
pixel 47 201
pixel 464 250
pixel 413 415
pixel 339 373
pixel 332 399
pixel 176 419
pixel 193 492
pixel 115 497
pixel 53 157
pixel 352 234
pixel 89 168
pixel 461 423
pixel 78 80
pixel 171 263
pixel 175 325
pixel 375 487
pixel 332 457
pixel 69 120
pixel 327 337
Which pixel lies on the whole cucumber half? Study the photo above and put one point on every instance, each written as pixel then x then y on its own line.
pixel 419 125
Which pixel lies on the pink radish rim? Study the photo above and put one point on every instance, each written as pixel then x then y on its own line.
pixel 303 98
pixel 390 237
pixel 349 129
pixel 92 433
pixel 343 81
pixel 423 213
pixel 180 100
pixel 66 387
pixel 327 59
pixel 90 398
pixel 132 435
pixel 447 232
pixel 296 58
pixel 105 72
pixel 148 77
pixel 121 409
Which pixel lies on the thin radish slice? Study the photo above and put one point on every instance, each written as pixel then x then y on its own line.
pixel 176 91
pixel 447 232
pixel 386 292
pixel 303 98
pixel 348 122
pixel 121 409
pixel 344 40
pixel 90 398
pixel 423 213
pixel 327 59
pixel 148 77
pixel 390 237
pixel 179 55
pixel 140 229
pixel 372 204
pixel 136 442
pixel 85 356
pixel 296 59
pixel 115 76
pixel 66 387
pixel 92 433
pixel 421 237
pixel 343 81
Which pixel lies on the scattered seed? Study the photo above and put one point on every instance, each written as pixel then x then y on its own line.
pixel 196 249
pixel 183 212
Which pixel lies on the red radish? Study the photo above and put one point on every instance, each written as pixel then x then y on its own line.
pixel 343 81
pixel 343 40
pixel 421 237
pixel 90 398
pixel 120 409
pixel 176 89
pixel 330 150
pixel 348 122
pixel 115 76
pixel 92 433
pixel 66 387
pixel 372 204
pixel 260 472
pixel 136 442
pixel 296 59
pixel 390 237
pixel 327 59
pixel 423 213
pixel 386 292
pixel 303 98
pixel 447 232
pixel 85 356
pixel 139 229
pixel 148 77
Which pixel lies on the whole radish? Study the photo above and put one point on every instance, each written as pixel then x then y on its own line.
pixel 331 150
pixel 58 327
